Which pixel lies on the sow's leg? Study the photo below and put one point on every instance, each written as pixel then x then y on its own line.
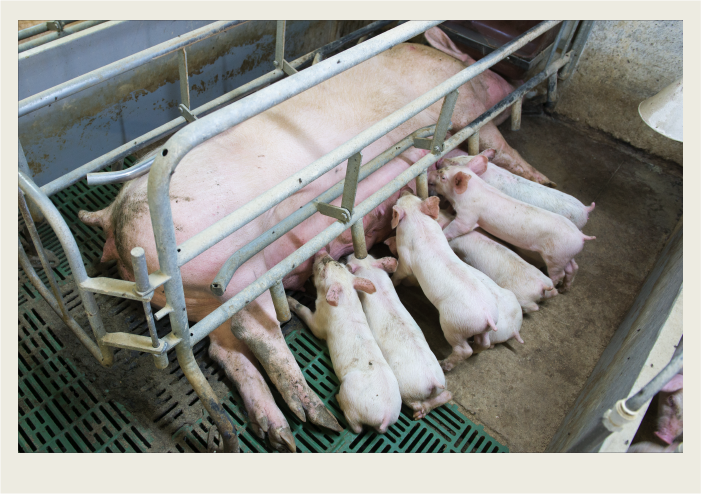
pixel 243 369
pixel 257 327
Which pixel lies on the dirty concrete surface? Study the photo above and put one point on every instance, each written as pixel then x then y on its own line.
pixel 521 393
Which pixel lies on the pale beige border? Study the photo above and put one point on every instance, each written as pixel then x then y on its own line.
pixel 349 473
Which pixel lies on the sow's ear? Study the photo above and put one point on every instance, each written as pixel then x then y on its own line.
pixel 478 164
pixel 460 181
pixel 430 207
pixel 397 215
pixel 389 264
pixel 440 41
pixel 333 294
pixel 363 285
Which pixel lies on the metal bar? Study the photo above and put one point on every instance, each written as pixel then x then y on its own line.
pixel 473 144
pixel 360 249
pixel 221 281
pixel 552 92
pixel 675 366
pixel 574 25
pixel 56 35
pixel 422 186
pixel 580 41
pixel 282 307
pixel 350 184
pixel 516 114
pixel 65 42
pixel 341 214
pixel 553 50
pixel 184 79
pixel 32 31
pixel 24 168
pixel 279 44
pixel 444 121
pixel 78 331
pixel 34 234
pixel 118 165
pixel 280 270
pixel 97 76
pixel 138 261
pixel 75 261
pixel 317 58
pixel 99 163
pixel 193 135
pixel 115 177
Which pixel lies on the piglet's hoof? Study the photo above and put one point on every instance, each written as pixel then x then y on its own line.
pixel 446 366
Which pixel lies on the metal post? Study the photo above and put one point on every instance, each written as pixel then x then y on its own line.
pixel 358 235
pixel 473 144
pixel 184 78
pixel 138 262
pixel 516 114
pixel 422 185
pixel 577 48
pixel 350 185
pixel 282 307
pixel 443 122
pixel 317 58
pixel 280 44
pixel 24 167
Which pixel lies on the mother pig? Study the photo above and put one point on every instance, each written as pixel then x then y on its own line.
pixel 224 173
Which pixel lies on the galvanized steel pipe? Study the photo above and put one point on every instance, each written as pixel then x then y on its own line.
pixel 120 176
pixel 190 137
pixel 97 76
pixel 56 35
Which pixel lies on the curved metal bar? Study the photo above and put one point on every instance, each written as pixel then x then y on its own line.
pixel 227 271
pixel 121 175
pixel 90 79
pixel 75 261
pixel 656 384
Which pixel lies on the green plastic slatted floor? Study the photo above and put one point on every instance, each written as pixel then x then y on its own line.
pixel 60 410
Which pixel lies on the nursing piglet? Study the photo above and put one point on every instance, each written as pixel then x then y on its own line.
pixel 554 237
pixel 421 380
pixel 369 391
pixel 525 190
pixel 670 415
pixel 466 307
pixel 502 265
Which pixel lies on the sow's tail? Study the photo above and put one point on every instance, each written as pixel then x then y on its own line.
pixel 102 219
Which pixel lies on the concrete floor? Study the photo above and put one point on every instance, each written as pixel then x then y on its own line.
pixel 521 393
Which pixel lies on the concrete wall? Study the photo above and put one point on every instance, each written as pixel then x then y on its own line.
pixel 624 63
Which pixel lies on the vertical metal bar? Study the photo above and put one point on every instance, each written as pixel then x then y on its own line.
pixel 553 50
pixel 350 186
pixel 473 144
pixel 138 262
pixel 280 44
pixel 184 78
pixel 574 25
pixel 40 252
pixel 317 58
pixel 552 92
pixel 516 114
pixel 358 234
pixel 580 41
pixel 282 308
pixel 24 167
pixel 443 121
pixel 422 185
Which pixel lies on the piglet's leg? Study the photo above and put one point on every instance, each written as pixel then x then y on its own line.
pixel 570 272
pixel 461 349
pixel 257 326
pixel 507 157
pixel 242 368
pixel 307 316
pixel 422 408
pixel 403 270
pixel 457 228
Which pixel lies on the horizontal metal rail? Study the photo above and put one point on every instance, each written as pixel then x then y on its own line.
pixel 280 270
pixel 101 162
pixel 185 141
pixel 38 29
pixel 120 176
pixel 97 76
pixel 221 281
pixel 56 35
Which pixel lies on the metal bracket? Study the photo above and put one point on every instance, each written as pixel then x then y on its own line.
pixel 55 26
pixel 124 289
pixel 280 61
pixel 184 78
pixel 423 143
pixel 189 116
pixel 163 312
pixel 443 122
pixel 341 214
pixel 288 69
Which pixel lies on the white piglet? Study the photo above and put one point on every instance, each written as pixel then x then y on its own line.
pixel 369 391
pixel 420 377
pixel 466 307
pixel 502 265
pixel 527 191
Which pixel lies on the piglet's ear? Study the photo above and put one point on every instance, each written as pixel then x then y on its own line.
pixel 460 181
pixel 389 264
pixel 397 215
pixel 333 294
pixel 363 285
pixel 406 190
pixel 489 153
pixel 478 164
pixel 391 242
pixel 430 207
pixel 352 267
pixel 675 384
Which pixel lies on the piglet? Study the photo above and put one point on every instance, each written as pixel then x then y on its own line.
pixel 466 307
pixel 670 414
pixel 554 237
pixel 525 190
pixel 421 380
pixel 648 447
pixel 369 391
pixel 502 265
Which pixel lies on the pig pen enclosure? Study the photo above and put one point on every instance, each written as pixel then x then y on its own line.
pixel 86 382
